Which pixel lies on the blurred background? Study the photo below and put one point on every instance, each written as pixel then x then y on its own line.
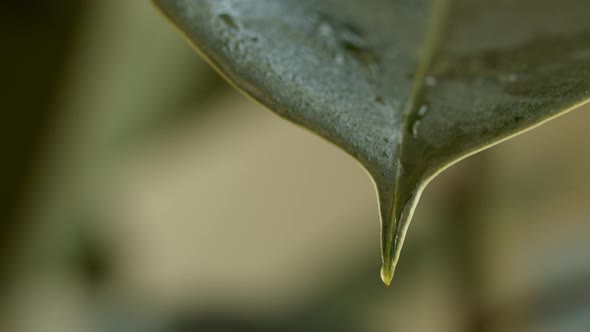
pixel 141 193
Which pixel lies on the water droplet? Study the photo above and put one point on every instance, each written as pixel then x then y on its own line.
pixel 422 110
pixel 430 81
pixel 415 128
pixel 325 29
pixel 349 38
pixel 229 21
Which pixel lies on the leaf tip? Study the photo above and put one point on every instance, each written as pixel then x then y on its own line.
pixel 387 274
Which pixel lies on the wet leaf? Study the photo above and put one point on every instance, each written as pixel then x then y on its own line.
pixel 407 87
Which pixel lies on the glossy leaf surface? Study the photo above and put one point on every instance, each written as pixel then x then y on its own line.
pixel 407 87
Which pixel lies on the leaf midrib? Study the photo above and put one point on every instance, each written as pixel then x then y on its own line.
pixel 436 28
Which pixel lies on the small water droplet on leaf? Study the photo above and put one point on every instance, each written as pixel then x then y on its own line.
pixel 430 81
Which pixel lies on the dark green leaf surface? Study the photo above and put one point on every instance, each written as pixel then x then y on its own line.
pixel 407 87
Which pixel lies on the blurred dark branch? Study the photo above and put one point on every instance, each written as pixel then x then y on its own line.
pixel 465 213
pixel 36 37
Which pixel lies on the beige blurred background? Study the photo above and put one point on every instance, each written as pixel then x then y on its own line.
pixel 151 196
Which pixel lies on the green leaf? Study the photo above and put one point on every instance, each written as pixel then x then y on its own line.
pixel 407 87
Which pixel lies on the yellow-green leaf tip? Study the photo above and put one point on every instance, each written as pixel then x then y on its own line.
pixel 386 274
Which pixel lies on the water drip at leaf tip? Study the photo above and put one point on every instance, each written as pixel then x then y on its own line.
pixel 386 275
